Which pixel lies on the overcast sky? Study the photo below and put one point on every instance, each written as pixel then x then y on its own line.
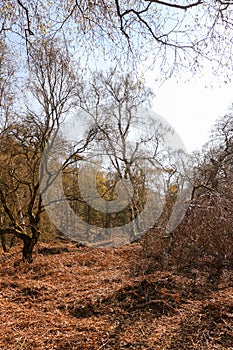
pixel 192 108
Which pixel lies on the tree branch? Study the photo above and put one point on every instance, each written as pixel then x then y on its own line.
pixel 28 30
pixel 145 23
pixel 120 15
pixel 182 7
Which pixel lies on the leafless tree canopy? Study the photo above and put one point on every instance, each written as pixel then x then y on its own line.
pixel 177 33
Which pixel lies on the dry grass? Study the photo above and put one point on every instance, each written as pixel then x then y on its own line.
pixel 96 299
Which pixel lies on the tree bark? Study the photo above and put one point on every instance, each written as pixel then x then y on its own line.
pixel 3 241
pixel 29 244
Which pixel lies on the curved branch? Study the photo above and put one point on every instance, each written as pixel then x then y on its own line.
pixel 147 25
pixel 28 30
pixel 182 7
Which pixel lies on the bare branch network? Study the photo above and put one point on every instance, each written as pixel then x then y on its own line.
pixel 175 33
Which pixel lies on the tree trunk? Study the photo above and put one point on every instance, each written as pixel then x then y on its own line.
pixel 3 241
pixel 29 244
pixel 7 241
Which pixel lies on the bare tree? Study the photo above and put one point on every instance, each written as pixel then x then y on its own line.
pixel 53 87
pixel 130 144
pixel 204 237
pixel 7 107
pixel 214 166
pixel 177 33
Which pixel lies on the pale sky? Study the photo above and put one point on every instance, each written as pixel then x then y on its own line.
pixel 191 108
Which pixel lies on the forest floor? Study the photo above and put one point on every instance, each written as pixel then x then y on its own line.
pixel 82 298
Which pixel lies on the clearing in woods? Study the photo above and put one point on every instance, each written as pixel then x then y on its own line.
pixel 83 298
